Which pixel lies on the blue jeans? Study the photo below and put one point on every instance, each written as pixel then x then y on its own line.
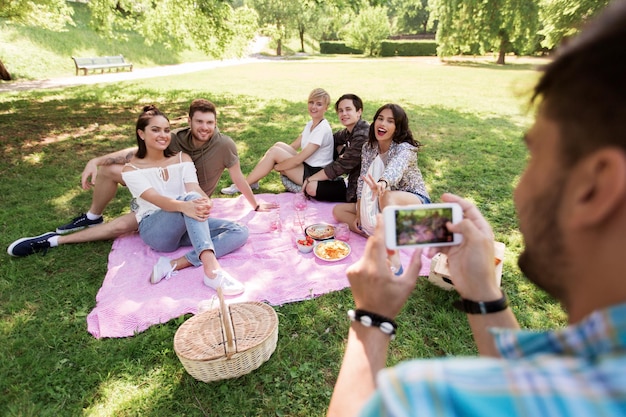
pixel 166 231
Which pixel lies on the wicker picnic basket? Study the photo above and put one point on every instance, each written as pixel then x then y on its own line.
pixel 227 342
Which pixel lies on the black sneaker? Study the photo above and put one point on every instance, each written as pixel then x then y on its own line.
pixel 29 245
pixel 78 223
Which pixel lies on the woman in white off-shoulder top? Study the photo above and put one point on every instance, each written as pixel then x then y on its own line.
pixel 173 211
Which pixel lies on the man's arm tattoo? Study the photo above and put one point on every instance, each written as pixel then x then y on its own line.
pixel 119 160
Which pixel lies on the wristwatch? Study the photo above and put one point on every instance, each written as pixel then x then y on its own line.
pixel 482 307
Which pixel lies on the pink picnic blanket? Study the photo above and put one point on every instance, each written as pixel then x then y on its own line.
pixel 269 264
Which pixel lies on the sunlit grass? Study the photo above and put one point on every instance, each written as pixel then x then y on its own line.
pixel 419 81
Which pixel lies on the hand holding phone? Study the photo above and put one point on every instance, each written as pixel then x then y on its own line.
pixel 421 225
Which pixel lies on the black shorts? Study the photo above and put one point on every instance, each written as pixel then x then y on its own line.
pixel 309 170
pixel 332 190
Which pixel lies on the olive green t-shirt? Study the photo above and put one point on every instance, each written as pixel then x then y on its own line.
pixel 211 159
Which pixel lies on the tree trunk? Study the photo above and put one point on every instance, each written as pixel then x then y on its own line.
pixel 4 74
pixel 504 42
pixel 502 52
pixel 279 47
pixel 302 40
pixel 501 55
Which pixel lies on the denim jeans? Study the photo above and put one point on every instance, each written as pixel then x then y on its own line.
pixel 166 231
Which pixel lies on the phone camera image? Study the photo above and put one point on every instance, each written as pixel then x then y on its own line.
pixel 423 226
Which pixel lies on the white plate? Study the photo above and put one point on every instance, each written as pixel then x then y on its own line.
pixel 320 246
pixel 320 231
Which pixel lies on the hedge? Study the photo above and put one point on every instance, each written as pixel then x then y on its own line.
pixel 337 47
pixel 409 48
pixel 388 48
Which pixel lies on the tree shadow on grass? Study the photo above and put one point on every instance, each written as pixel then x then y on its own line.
pixel 512 63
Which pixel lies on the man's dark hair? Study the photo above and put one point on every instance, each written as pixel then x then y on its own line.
pixel 203 106
pixel 584 89
pixel 356 101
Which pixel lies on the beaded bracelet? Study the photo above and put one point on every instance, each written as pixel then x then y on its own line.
pixel 368 319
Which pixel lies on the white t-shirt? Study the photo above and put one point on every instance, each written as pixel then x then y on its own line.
pixel 321 135
pixel 142 179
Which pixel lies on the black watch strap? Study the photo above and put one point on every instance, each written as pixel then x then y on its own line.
pixel 482 307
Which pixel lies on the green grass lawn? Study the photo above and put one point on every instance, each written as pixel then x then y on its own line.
pixel 470 117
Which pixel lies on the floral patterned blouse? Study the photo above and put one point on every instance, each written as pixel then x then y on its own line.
pixel 401 170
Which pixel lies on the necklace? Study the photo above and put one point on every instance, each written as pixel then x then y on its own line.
pixel 313 126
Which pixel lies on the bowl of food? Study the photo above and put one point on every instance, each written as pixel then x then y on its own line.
pixel 305 244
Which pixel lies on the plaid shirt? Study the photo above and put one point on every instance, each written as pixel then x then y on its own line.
pixel 576 371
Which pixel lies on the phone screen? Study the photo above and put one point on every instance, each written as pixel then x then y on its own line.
pixel 423 225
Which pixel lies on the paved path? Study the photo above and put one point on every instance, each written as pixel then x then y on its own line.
pixel 256 46
pixel 160 71
pixel 136 74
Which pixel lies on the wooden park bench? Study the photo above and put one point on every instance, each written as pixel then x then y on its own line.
pixel 101 63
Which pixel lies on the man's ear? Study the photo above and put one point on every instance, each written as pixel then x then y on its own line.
pixel 598 187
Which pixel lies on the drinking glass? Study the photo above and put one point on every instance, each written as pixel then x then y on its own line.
pixel 299 201
pixel 342 232
pixel 275 226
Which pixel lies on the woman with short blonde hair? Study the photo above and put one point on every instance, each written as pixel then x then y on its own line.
pixel 310 152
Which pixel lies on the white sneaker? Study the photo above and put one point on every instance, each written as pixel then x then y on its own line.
pixel 232 189
pixel 230 286
pixel 162 269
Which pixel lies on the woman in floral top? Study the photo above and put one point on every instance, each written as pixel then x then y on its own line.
pixel 389 171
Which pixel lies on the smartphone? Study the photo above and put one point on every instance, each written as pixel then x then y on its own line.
pixel 421 225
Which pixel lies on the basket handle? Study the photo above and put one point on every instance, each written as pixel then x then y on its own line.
pixel 227 325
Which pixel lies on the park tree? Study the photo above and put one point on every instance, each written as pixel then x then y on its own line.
pixel 331 20
pixel 564 18
pixel 214 26
pixel 245 24
pixel 306 15
pixel 283 18
pixel 48 14
pixel 277 18
pixel 368 29
pixel 480 26
pixel 411 16
pixel 324 20
pixel 333 16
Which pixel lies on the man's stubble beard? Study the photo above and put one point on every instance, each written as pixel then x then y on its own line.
pixel 543 260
